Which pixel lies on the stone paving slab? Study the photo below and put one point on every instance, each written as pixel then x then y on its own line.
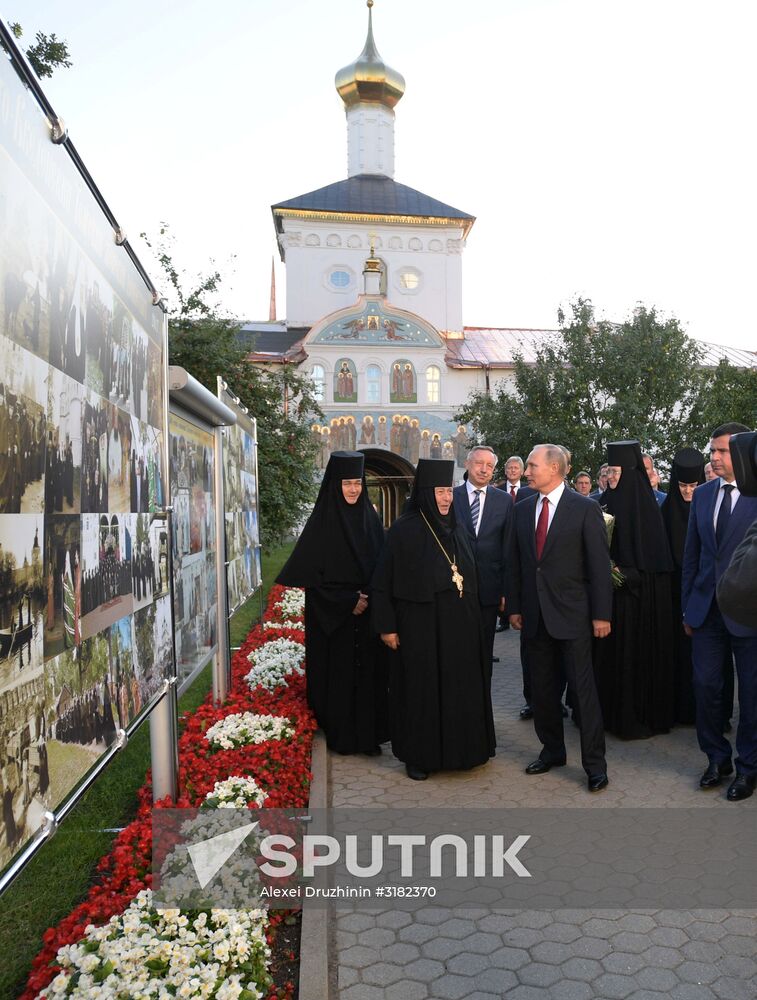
pixel 477 953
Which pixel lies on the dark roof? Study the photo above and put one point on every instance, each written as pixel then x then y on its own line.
pixel 260 340
pixel 371 194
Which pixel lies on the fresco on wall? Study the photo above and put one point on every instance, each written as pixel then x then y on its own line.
pixel 345 381
pixel 403 387
pixel 374 321
pixel 411 436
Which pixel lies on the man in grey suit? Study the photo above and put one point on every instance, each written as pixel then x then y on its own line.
pixel 485 513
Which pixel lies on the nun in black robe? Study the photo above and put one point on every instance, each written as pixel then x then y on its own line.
pixel 635 664
pixel 345 662
pixel 687 471
pixel 440 706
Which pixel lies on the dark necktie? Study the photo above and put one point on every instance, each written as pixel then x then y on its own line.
pixel 724 514
pixel 475 509
pixel 512 493
pixel 541 527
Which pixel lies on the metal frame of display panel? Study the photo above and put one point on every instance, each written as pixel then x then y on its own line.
pixel 164 698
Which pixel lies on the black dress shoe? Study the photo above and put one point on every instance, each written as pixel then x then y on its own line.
pixel 715 773
pixel 597 782
pixel 727 727
pixel 526 712
pixel 375 752
pixel 495 659
pixel 540 766
pixel 741 787
pixel 415 773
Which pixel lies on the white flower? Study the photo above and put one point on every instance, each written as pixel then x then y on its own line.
pixel 236 792
pixel 240 729
pixel 291 604
pixel 273 661
pixel 283 624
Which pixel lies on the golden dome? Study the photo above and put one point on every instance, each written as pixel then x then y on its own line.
pixel 368 78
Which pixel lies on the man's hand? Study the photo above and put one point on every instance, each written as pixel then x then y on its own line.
pixel 516 622
pixel 390 639
pixel 601 629
pixel 501 605
pixel 688 630
pixel 362 604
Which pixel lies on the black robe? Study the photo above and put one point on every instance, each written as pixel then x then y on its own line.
pixel 635 663
pixel 345 662
pixel 439 692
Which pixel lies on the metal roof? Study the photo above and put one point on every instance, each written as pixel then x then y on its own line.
pixel 370 194
pixel 713 353
pixel 496 346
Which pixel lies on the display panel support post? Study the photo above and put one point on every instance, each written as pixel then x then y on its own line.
pixel 164 746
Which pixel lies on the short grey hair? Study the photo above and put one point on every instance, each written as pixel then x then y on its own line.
pixel 483 447
pixel 554 453
pixel 516 458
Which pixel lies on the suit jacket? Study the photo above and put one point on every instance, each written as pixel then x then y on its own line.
pixel 490 545
pixel 737 589
pixel 571 584
pixel 659 496
pixel 704 562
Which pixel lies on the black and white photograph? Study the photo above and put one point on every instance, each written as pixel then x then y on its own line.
pixel 64 444
pixel 62 578
pixel 23 422
pixel 23 597
pixel 97 418
pixel 106 578
pixel 67 294
pixel 98 323
pixel 152 651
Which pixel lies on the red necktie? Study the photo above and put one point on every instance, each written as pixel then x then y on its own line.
pixel 512 493
pixel 541 527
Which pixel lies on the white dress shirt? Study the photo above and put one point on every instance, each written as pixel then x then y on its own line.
pixel 719 499
pixel 554 499
pixel 482 500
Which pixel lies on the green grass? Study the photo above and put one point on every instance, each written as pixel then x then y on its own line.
pixel 61 873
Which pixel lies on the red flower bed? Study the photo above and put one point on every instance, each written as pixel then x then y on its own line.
pixel 281 767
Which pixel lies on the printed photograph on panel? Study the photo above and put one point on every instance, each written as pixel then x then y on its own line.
pixel 24 768
pixel 23 420
pixel 120 489
pixel 98 324
pixel 139 379
pixel 67 296
pixel 121 358
pixel 146 467
pixel 64 444
pixel 106 583
pixel 23 597
pixel 27 259
pixel 152 648
pixel 143 566
pixel 154 385
pixel 79 710
pixel 159 556
pixel 62 573
pixel 96 428
pixel 128 698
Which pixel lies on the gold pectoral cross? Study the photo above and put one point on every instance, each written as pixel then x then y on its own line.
pixel 457 578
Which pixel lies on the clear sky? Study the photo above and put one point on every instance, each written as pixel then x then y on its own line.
pixel 606 147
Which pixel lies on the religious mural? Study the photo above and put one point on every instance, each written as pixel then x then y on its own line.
pixel 403 387
pixel 411 435
pixel 345 381
pixel 374 321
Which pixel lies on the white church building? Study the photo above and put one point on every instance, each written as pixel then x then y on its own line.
pixel 374 301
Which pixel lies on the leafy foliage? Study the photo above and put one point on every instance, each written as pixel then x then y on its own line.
pixel 205 341
pixel 47 54
pixel 595 382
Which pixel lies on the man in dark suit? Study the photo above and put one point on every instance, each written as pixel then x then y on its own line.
pixel 485 513
pixel 654 478
pixel 513 474
pixel 601 482
pixel 560 595
pixel 719 519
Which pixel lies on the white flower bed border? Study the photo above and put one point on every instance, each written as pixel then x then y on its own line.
pixel 243 728
pixel 274 661
pixel 236 792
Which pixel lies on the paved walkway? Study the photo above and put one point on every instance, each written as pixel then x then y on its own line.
pixel 483 954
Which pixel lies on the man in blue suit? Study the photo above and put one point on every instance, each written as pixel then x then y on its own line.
pixel 485 513
pixel 654 478
pixel 719 519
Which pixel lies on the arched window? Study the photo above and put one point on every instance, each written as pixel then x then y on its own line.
pixel 318 375
pixel 373 384
pixel 433 384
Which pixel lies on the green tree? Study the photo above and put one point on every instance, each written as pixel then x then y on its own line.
pixel 595 382
pixel 205 341
pixel 729 393
pixel 47 54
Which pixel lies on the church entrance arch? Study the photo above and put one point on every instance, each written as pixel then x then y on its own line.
pixel 390 479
